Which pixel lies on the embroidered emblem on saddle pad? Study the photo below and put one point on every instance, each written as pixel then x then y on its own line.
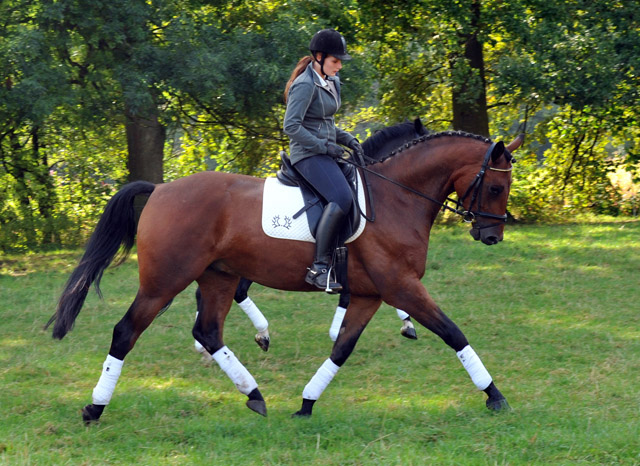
pixel 280 203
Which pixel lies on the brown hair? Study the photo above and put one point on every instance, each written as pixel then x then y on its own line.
pixel 297 71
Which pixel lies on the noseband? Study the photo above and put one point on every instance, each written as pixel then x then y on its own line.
pixel 474 189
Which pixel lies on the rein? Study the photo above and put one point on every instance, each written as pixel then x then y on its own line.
pixel 474 188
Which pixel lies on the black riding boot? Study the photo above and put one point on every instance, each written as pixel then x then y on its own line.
pixel 326 234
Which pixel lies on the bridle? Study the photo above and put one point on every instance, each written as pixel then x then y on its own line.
pixel 474 189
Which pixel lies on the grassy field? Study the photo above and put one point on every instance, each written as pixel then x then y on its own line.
pixel 552 311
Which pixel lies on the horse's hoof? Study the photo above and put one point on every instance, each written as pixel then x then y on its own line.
pixel 306 409
pixel 409 333
pixel 91 413
pixel 499 404
pixel 263 342
pixel 259 406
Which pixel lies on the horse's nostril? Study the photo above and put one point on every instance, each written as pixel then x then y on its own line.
pixel 491 240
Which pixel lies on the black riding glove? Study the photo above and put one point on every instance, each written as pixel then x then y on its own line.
pixel 334 150
pixel 355 146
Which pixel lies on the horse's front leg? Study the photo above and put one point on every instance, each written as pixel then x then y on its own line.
pixel 417 302
pixel 357 317
pixel 217 290
pixel 252 311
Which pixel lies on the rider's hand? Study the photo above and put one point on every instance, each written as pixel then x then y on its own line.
pixel 334 150
pixel 355 146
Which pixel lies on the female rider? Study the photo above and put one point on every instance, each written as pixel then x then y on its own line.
pixel 313 97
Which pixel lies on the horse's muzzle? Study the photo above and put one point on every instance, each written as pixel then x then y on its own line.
pixel 489 236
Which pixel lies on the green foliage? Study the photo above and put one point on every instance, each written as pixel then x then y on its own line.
pixel 568 166
pixel 214 72
pixel 570 67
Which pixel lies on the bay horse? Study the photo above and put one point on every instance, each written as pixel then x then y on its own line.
pixel 376 147
pixel 219 239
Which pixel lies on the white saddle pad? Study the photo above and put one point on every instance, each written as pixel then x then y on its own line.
pixel 280 203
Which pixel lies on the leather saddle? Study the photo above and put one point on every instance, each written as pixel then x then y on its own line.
pixel 313 203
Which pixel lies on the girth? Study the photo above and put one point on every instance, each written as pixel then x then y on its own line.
pixel 313 203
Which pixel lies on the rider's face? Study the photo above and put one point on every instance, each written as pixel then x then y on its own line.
pixel 331 65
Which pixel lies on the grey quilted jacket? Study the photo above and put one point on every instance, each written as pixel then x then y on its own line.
pixel 309 121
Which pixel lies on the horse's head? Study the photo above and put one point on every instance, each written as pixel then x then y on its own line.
pixel 485 199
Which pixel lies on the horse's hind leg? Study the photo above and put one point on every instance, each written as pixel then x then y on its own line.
pixel 341 310
pixel 252 311
pixel 217 291
pixel 358 315
pixel 199 348
pixel 125 334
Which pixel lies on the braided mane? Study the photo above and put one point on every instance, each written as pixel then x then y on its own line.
pixel 430 137
pixel 374 143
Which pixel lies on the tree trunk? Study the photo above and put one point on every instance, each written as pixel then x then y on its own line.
pixel 46 194
pixel 469 92
pixel 19 169
pixel 145 143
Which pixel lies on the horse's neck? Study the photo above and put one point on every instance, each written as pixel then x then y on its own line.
pixel 429 172
pixel 381 145
pixel 413 169
pixel 389 147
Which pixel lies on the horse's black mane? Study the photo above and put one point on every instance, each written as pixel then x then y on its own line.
pixel 385 134
pixel 373 144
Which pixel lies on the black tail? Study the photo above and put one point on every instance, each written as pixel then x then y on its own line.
pixel 115 230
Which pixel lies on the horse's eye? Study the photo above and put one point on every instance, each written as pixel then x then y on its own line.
pixel 495 190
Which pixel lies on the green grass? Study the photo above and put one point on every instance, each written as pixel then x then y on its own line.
pixel 552 311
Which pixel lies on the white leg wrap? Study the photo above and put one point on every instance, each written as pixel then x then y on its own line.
pixel 257 318
pixel 106 385
pixel 320 380
pixel 336 323
pixel 199 347
pixel 472 363
pixel 234 369
pixel 403 315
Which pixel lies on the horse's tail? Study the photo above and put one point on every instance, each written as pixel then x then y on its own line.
pixel 115 232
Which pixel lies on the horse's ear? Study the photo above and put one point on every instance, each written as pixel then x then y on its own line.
pixel 498 150
pixel 517 142
pixel 420 129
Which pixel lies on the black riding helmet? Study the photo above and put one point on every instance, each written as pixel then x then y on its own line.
pixel 328 42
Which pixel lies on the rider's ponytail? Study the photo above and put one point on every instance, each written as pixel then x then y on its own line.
pixel 297 71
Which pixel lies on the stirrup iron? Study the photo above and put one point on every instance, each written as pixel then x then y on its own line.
pixel 328 289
